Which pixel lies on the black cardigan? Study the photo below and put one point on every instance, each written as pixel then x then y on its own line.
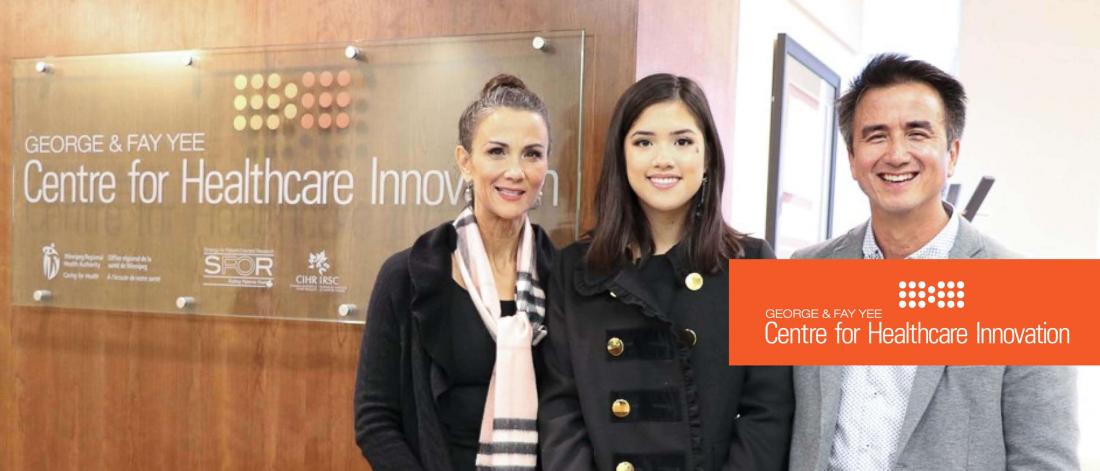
pixel 396 424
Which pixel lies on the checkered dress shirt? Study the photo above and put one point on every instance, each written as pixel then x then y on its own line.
pixel 874 399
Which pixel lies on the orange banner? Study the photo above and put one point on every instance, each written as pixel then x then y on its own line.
pixel 914 312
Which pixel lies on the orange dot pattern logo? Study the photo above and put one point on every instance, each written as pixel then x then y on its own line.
pixel 921 295
pixel 320 99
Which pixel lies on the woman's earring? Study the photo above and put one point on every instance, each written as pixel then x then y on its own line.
pixel 468 192
pixel 538 201
pixel 702 198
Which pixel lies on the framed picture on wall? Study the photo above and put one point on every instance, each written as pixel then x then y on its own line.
pixel 802 156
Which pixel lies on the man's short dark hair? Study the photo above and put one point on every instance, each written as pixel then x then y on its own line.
pixel 889 69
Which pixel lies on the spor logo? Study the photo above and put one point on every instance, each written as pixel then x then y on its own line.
pixel 238 268
pixel 941 294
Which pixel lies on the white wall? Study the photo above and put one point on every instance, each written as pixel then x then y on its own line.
pixel 929 33
pixel 1030 69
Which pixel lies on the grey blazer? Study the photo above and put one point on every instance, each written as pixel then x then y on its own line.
pixel 959 417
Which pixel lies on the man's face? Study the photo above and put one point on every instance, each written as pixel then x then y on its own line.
pixel 899 154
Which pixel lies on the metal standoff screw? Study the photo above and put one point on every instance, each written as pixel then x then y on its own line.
pixel 42 295
pixel 352 52
pixel 538 43
pixel 184 302
pixel 346 310
pixel 42 67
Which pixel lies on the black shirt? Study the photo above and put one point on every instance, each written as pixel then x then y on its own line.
pixel 461 406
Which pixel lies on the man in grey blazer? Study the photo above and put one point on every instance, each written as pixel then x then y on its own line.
pixel 902 120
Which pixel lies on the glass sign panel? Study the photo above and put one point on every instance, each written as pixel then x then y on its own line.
pixel 262 181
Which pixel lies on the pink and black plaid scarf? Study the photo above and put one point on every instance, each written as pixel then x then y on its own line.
pixel 509 436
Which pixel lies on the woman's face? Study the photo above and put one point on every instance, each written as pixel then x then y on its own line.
pixel 506 163
pixel 665 159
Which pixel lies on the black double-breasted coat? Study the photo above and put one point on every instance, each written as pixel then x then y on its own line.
pixel 628 386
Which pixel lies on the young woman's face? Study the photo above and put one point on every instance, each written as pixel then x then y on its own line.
pixel 506 163
pixel 665 158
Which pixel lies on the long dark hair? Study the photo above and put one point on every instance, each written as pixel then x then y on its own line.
pixel 620 222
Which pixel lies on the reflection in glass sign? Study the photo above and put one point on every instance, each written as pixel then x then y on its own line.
pixel 263 181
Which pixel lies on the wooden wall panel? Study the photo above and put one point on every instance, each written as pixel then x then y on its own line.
pixel 7 371
pixel 99 390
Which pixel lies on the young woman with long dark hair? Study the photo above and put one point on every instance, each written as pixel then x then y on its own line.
pixel 637 376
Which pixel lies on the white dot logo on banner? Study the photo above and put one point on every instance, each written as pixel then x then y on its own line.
pixel 941 294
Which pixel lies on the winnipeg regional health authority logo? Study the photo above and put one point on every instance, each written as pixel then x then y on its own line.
pixel 921 295
pixel 318 279
pixel 51 262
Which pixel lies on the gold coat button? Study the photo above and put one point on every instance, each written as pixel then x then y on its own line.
pixel 689 337
pixel 620 408
pixel 625 466
pixel 694 281
pixel 615 346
